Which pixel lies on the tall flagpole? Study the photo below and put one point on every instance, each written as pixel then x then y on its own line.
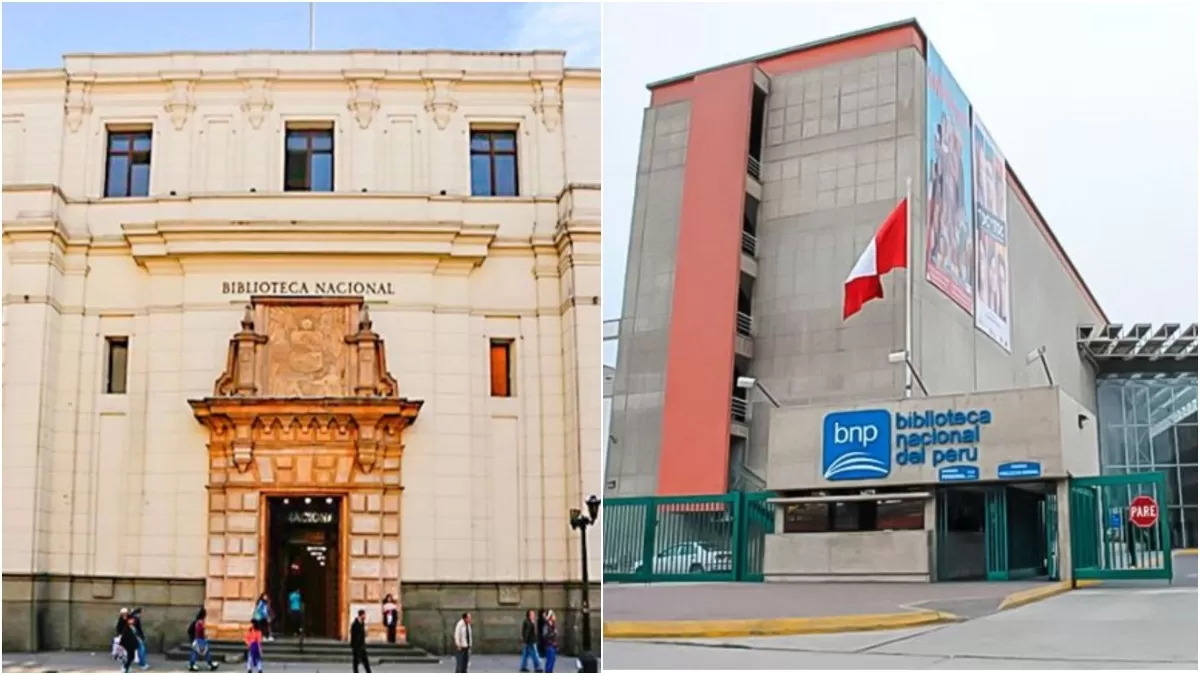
pixel 312 26
pixel 908 291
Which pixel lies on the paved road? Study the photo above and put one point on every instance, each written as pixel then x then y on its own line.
pixel 681 602
pixel 1100 628
pixel 85 662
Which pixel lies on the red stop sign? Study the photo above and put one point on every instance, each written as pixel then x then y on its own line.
pixel 1143 511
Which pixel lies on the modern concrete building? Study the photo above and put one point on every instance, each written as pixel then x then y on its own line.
pixel 205 256
pixel 759 185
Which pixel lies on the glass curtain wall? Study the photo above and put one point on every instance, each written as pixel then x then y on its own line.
pixel 1148 423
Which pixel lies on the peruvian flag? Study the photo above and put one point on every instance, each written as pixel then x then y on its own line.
pixel 887 251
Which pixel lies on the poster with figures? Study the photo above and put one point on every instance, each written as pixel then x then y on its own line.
pixel 949 231
pixel 992 297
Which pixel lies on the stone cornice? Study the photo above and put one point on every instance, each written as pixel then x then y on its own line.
pixel 412 66
pixel 447 241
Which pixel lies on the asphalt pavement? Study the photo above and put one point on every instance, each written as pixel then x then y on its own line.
pixel 1095 628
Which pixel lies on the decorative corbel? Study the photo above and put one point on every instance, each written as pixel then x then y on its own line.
pixel 179 101
pixel 79 103
pixel 368 454
pixel 241 454
pixel 440 101
pixel 258 101
pixel 548 102
pixel 364 101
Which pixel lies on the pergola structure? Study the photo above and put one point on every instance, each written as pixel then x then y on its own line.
pixel 1140 343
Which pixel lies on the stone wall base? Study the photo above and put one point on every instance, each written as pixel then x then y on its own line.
pixel 45 612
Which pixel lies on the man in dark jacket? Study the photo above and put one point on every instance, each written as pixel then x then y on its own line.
pixel 358 641
pixel 129 642
pixel 141 636
pixel 529 643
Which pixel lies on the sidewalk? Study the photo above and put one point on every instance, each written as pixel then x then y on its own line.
pixel 689 602
pixel 91 662
pixel 740 610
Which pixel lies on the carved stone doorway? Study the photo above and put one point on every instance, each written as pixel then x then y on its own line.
pixel 305 409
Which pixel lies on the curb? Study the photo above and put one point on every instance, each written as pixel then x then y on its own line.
pixel 1032 595
pixel 1185 551
pixel 738 628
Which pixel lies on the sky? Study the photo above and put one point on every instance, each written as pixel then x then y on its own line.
pixel 1104 139
pixel 36 35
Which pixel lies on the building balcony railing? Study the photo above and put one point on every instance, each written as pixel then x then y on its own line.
pixel 739 410
pixel 745 324
pixel 749 244
pixel 754 168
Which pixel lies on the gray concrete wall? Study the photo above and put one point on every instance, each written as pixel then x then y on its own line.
pixel 841 142
pixel 1047 305
pixel 1026 425
pixel 860 556
pixel 637 402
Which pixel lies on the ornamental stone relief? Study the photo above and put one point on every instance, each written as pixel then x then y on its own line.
pixel 306 351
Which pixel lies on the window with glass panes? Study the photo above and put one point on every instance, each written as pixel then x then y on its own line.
pixel 1148 423
pixel 308 166
pixel 127 167
pixel 493 162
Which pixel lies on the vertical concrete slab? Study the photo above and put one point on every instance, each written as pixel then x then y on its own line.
pixel 640 379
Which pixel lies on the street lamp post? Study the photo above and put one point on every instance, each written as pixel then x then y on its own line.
pixel 582 522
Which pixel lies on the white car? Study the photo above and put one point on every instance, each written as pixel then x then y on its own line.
pixel 692 557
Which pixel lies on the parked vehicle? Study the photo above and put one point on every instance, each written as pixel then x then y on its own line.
pixel 693 557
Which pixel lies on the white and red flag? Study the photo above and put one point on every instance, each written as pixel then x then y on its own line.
pixel 887 251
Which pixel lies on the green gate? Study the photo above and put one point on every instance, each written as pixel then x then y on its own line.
pixel 693 538
pixel 1105 544
pixel 995 533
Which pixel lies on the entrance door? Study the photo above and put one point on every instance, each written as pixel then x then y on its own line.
pixel 303 554
pixel 1106 542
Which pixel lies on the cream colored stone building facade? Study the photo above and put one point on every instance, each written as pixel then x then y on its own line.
pixel 127 493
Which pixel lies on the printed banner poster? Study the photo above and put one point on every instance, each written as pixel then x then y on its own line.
pixel 949 235
pixel 992 297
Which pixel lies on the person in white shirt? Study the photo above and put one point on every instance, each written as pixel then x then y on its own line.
pixel 462 643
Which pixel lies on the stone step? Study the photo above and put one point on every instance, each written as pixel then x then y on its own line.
pixel 315 651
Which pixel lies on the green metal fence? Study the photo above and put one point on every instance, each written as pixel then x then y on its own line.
pixel 1105 543
pixel 694 538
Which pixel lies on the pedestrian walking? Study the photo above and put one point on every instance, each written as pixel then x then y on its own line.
pixel 198 636
pixel 391 617
pixel 296 612
pixel 529 642
pixel 550 640
pixel 254 654
pixel 462 643
pixel 262 614
pixel 129 643
pixel 358 641
pixel 136 615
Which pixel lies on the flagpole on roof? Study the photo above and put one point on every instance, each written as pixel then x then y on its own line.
pixel 312 26
pixel 908 289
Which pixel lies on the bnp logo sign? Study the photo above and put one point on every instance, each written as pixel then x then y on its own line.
pixel 857 445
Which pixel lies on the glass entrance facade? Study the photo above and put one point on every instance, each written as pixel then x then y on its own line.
pixel 1148 423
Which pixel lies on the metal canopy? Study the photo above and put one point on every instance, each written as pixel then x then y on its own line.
pixel 1140 342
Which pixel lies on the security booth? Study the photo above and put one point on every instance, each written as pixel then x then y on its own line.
pixel 966 487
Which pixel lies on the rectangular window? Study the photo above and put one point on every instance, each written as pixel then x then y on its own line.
pixel 501 358
pixel 493 163
pixel 127 167
pixel 116 371
pixel 858 516
pixel 308 163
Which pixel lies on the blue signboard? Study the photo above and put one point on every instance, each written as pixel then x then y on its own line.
pixel 1019 470
pixel 860 445
pixel 1114 520
pixel 953 473
pixel 857 445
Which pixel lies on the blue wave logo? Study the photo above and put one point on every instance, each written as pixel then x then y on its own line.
pixel 857 445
